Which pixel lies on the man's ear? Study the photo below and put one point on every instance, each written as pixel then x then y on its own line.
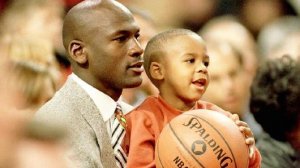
pixel 77 51
pixel 156 71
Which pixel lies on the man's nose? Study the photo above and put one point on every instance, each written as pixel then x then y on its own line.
pixel 136 49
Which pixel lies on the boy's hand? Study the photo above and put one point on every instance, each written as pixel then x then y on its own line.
pixel 244 128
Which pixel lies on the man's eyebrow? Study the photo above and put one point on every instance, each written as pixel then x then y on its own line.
pixel 123 32
pixel 120 32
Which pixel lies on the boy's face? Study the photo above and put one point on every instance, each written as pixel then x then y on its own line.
pixel 185 68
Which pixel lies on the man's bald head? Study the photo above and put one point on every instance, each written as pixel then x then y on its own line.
pixel 80 20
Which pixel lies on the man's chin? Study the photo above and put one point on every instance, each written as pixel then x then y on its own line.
pixel 135 83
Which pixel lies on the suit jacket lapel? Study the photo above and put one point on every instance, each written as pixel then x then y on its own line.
pixel 95 120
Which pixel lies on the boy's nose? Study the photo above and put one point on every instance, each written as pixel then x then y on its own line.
pixel 202 68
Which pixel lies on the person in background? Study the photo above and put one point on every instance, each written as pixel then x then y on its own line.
pixel 243 43
pixel 229 29
pixel 28 144
pixel 20 137
pixel 34 18
pixel 289 46
pixel 34 69
pixel 41 145
pixel 284 40
pixel 229 87
pixel 275 97
pixel 255 14
pixel 37 19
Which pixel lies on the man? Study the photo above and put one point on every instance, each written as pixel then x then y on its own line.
pixel 101 39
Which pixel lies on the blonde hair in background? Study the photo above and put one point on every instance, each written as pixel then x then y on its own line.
pixel 35 70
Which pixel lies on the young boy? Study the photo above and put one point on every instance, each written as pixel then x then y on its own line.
pixel 176 62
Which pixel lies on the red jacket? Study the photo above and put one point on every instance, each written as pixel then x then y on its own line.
pixel 146 122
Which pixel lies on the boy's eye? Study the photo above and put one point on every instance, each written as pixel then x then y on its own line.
pixel 191 60
pixel 206 63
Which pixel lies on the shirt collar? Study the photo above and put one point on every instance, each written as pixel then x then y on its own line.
pixel 104 103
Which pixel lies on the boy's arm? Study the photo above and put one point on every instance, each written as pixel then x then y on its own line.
pixel 141 141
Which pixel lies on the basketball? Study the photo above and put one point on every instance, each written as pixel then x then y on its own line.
pixel 201 139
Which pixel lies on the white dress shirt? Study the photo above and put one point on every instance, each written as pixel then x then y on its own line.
pixel 103 102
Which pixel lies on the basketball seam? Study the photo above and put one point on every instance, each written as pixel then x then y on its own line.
pixel 184 145
pixel 158 154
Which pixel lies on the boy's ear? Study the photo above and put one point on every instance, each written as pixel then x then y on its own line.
pixel 77 51
pixel 156 71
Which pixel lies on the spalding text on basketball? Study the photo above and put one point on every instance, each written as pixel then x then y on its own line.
pixel 195 124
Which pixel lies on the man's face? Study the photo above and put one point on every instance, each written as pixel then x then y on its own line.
pixel 114 53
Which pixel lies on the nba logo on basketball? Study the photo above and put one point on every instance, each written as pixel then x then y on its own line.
pixel 198 147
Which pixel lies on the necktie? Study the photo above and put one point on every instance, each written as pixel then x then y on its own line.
pixel 118 133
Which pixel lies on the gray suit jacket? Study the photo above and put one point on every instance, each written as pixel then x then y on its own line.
pixel 72 108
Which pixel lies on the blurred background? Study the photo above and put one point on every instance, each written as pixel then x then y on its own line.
pixel 33 62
